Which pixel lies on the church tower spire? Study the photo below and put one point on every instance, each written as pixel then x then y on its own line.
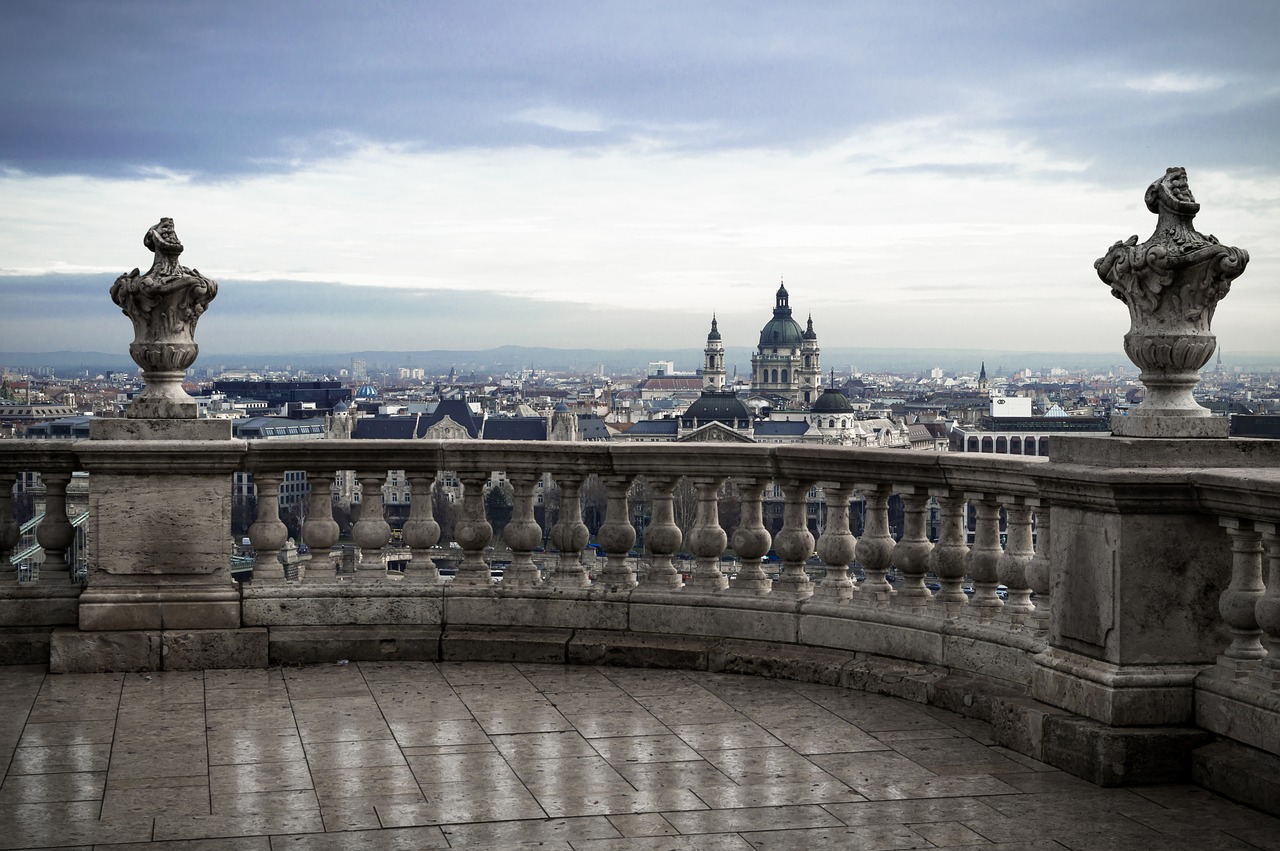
pixel 713 375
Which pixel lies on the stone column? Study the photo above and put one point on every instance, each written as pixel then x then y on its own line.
pixel 984 558
pixel 794 542
pixel 1039 577
pixel 617 536
pixel 570 534
pixel 1268 609
pixel 320 531
pixel 421 532
pixel 522 533
pixel 1012 566
pixel 911 554
pixel 8 529
pixel 371 530
pixel 473 531
pixel 1238 604
pixel 55 532
pixel 751 540
pixel 663 537
pixel 836 545
pixel 950 554
pixel 875 547
pixel 268 533
pixel 706 539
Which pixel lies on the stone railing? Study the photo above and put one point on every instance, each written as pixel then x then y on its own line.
pixel 1142 604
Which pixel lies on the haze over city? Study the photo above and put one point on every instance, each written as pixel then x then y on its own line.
pixel 398 176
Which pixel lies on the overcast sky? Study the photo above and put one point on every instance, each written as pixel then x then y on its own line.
pixel 458 175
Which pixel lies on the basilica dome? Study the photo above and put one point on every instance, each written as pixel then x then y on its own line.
pixel 781 331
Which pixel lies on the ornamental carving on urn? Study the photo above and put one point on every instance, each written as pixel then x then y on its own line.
pixel 164 305
pixel 1171 283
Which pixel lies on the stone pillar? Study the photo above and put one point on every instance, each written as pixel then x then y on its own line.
pixel 8 529
pixel 371 531
pixel 1038 570
pixel 1238 604
pixel 984 557
pixel 1012 566
pixel 55 532
pixel 836 545
pixel 663 537
pixel 268 533
pixel 617 536
pixel 875 547
pixel 1268 609
pixel 751 540
pixel 570 534
pixel 473 531
pixel 522 533
pixel 950 554
pixel 421 532
pixel 320 531
pixel 794 542
pixel 706 539
pixel 911 554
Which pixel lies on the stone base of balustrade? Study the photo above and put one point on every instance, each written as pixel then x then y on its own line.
pixel 29 614
pixel 1239 772
pixel 143 428
pixel 75 652
pixel 1116 695
pixel 1172 426
pixel 1240 708
pixel 156 607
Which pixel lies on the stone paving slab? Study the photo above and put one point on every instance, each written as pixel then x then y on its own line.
pixel 509 755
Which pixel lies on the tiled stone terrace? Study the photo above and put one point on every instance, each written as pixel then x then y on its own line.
pixel 484 755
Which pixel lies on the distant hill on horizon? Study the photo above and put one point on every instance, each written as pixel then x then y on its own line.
pixel 615 361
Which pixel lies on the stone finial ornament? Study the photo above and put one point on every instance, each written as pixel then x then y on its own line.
pixel 1172 283
pixel 164 305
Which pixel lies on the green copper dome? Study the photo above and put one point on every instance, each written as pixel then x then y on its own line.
pixel 781 331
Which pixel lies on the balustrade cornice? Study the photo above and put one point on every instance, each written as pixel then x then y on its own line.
pixel 20 456
pixel 525 457
pixel 183 457
pixel 691 459
pixel 344 455
pixel 1250 494
pixel 1139 491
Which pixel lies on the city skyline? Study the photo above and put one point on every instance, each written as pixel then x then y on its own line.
pixel 459 176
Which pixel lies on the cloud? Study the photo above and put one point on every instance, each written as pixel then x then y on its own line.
pixel 1175 82
pixel 569 120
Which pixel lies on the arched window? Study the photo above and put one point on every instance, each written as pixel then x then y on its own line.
pixel 1002 446
pixel 1015 446
pixel 844 423
pixel 775 376
pixel 784 376
pixel 973 444
pixel 831 423
pixel 806 361
pixel 1044 447
pixel 987 446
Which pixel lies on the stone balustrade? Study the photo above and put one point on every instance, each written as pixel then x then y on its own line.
pixel 1119 588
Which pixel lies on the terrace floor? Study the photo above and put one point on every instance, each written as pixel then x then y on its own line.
pixel 483 755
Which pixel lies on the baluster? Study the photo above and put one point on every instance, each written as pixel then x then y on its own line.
pixel 706 539
pixel 1238 604
pixel 570 535
pixel 836 544
pixel 985 556
pixel 1011 568
pixel 421 532
pixel 911 553
pixel 617 536
pixel 522 533
pixel 371 531
pixel 950 554
pixel 55 532
pixel 1038 571
pixel 473 531
pixel 268 532
pixel 875 547
pixel 663 537
pixel 1267 609
pixel 794 542
pixel 751 540
pixel 320 531
pixel 8 530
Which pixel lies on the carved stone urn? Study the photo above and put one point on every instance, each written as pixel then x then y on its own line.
pixel 164 305
pixel 1172 283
